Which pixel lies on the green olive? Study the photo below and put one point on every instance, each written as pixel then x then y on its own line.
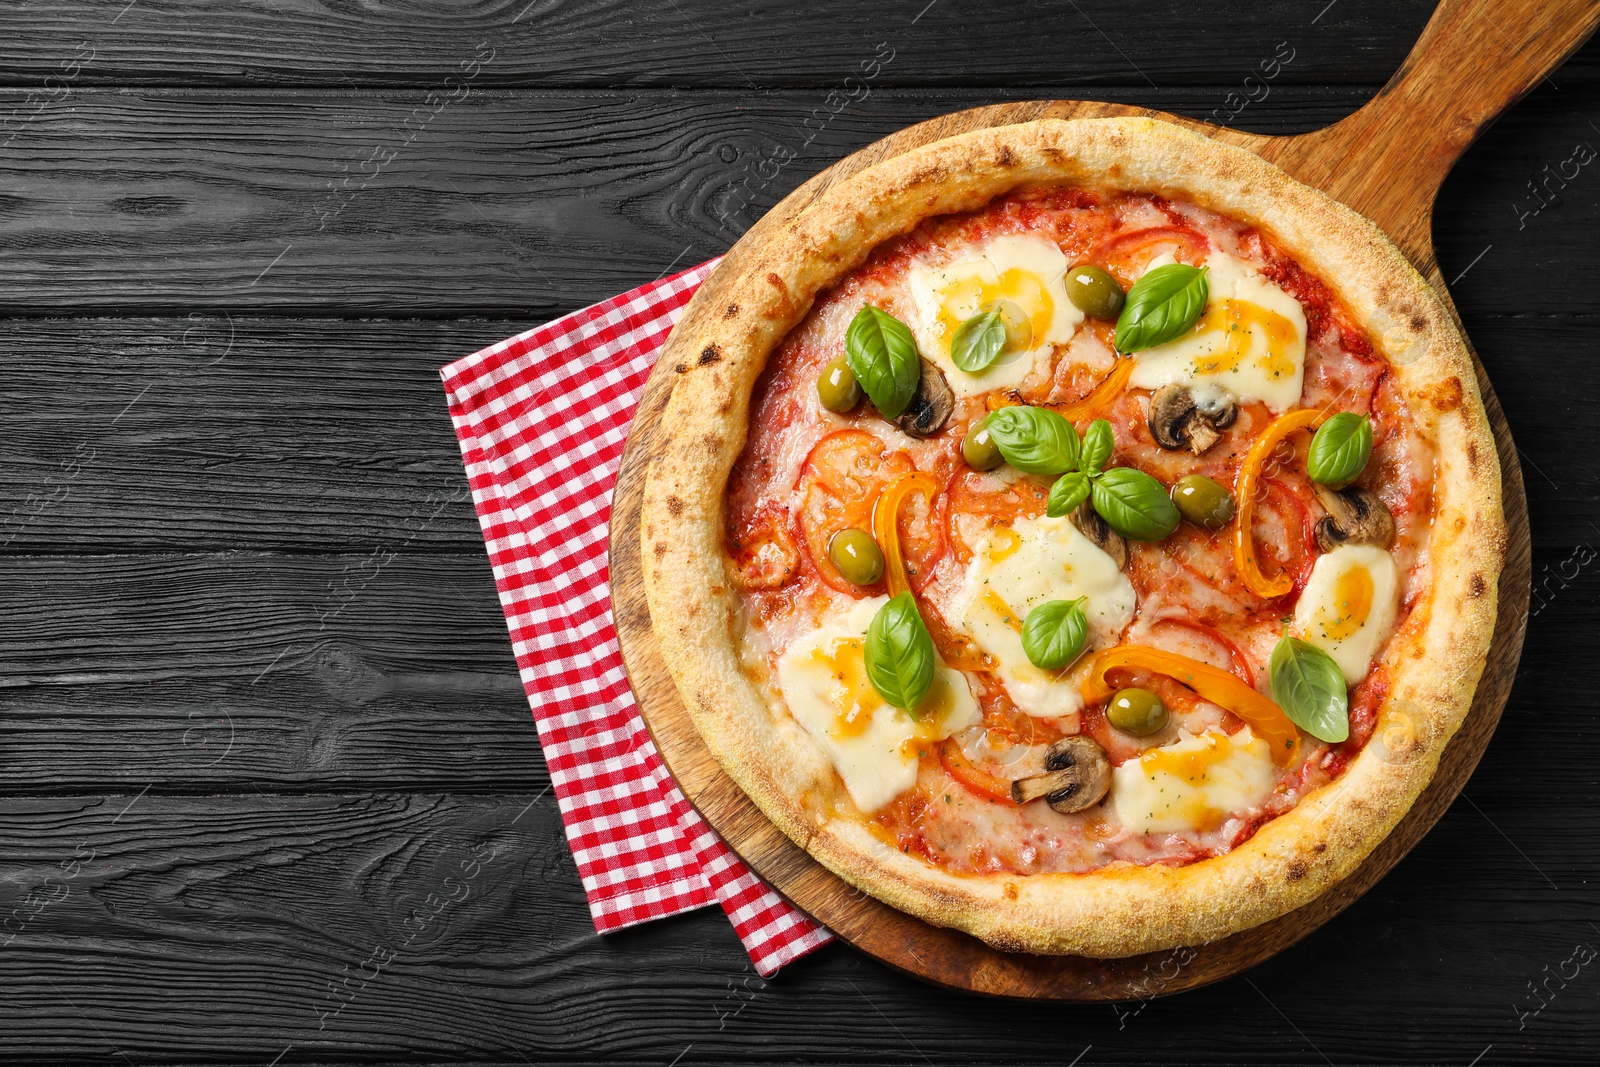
pixel 1203 501
pixel 1095 292
pixel 979 449
pixel 837 387
pixel 1136 711
pixel 857 556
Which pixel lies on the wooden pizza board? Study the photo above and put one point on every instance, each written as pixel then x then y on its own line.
pixel 1387 161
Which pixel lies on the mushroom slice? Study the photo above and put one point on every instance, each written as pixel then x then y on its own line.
pixel 1355 517
pixel 1181 417
pixel 1076 776
pixel 930 408
pixel 1092 526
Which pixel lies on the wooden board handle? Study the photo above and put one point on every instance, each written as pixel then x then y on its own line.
pixel 1474 59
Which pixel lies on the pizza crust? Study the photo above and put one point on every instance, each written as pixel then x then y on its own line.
pixel 1434 661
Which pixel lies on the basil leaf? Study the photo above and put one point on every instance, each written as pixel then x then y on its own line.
pixel 1340 449
pixel 1097 445
pixel 1054 633
pixel 899 654
pixel 1035 440
pixel 883 356
pixel 1134 504
pixel 1070 490
pixel 978 342
pixel 1311 690
pixel 1161 305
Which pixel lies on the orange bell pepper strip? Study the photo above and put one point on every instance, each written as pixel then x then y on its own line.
pixel 957 652
pixel 886 525
pixel 1245 487
pixel 1100 395
pixel 1220 687
pixel 1084 406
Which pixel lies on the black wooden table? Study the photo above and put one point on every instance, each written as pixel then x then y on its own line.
pixel 259 702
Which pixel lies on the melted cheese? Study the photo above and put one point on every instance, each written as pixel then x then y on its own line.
pixel 1195 783
pixel 1026 271
pixel 873 745
pixel 1251 339
pixel 1013 571
pixel 1349 606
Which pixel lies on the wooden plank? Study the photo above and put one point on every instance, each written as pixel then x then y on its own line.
pixel 696 43
pixel 523 204
pixel 332 435
pixel 529 204
pixel 281 671
pixel 215 926
pixel 224 431
pixel 217 671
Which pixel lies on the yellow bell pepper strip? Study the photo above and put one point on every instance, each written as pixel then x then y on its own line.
pixel 1220 687
pixel 1245 487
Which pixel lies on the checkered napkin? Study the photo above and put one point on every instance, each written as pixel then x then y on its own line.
pixel 519 407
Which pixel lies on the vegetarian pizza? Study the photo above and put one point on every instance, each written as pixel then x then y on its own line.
pixel 1077 533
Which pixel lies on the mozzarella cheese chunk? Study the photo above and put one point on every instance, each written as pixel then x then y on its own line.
pixel 872 744
pixel 1013 571
pixel 1026 270
pixel 1251 339
pixel 1195 783
pixel 1349 606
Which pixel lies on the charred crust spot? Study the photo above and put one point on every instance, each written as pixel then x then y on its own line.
pixel 674 506
pixel 1320 847
pixel 1418 323
pixel 659 550
pixel 726 406
pixel 1472 455
pixel 709 355
pixel 1010 891
pixel 784 304
pixel 1297 870
pixel 712 442
pixel 733 309
pixel 682 368
pixel 1447 394
pixel 1480 588
pixel 1005 157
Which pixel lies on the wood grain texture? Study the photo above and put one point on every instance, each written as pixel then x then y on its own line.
pixel 331 436
pixel 212 927
pixel 1459 36
pixel 530 204
pixel 225 431
pixel 248 885
pixel 699 43
pixel 252 670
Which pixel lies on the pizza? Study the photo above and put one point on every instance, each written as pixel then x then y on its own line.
pixel 1077 533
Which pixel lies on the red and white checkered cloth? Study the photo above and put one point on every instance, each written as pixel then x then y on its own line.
pixel 542 418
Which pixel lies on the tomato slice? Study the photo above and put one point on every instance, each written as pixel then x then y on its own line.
pixel 1204 643
pixel 839 483
pixel 1284 535
pixel 977 501
pixel 976 780
pixel 1126 256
